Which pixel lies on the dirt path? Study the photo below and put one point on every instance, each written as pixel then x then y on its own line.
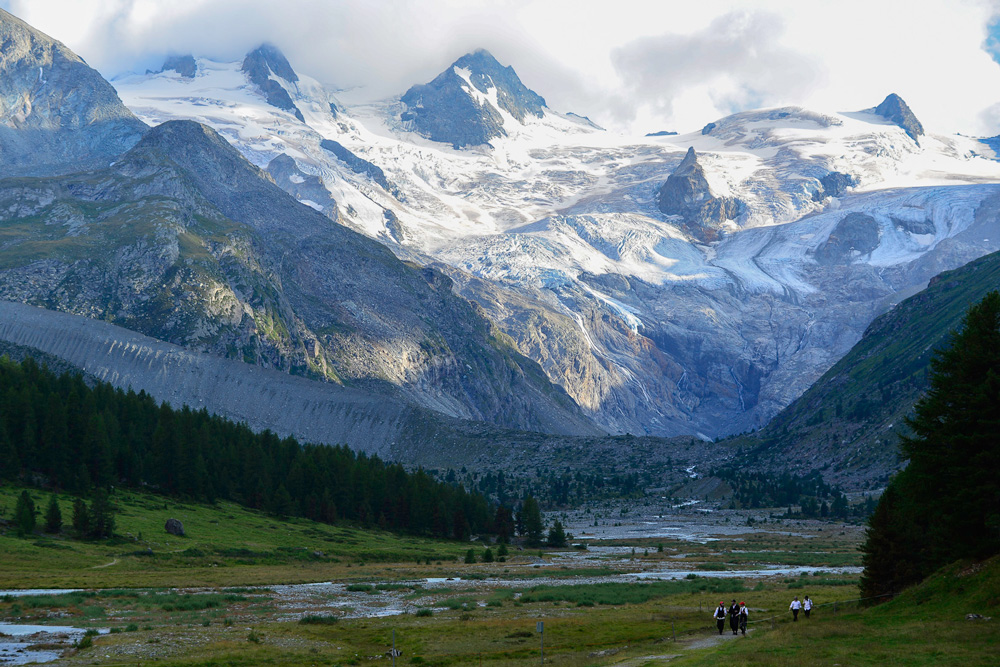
pixel 713 640
pixel 97 567
pixel 704 642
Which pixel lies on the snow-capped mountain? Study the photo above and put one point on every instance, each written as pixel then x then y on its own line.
pixel 563 233
pixel 471 102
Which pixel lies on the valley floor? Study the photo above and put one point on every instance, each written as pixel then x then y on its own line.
pixel 243 588
pixel 629 625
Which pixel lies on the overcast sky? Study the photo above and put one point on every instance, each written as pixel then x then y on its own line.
pixel 633 66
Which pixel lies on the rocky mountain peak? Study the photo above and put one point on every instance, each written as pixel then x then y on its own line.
pixel 260 64
pixel 512 95
pixel 688 195
pixel 269 56
pixel 183 65
pixel 895 110
pixel 689 166
pixel 56 113
pixel 457 107
pixel 220 173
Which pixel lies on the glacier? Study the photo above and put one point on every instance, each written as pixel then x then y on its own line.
pixel 553 229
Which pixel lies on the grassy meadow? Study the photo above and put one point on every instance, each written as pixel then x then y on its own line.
pixel 215 597
pixel 224 545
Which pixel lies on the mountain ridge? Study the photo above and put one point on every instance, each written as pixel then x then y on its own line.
pixel 56 113
pixel 554 230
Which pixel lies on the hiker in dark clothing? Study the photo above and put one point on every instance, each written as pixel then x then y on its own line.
pixel 744 617
pixel 807 606
pixel 720 616
pixel 734 617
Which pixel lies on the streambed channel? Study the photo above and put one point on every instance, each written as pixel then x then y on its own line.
pixel 407 597
pixel 23 644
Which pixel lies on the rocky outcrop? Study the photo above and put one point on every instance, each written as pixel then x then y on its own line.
pixel 855 236
pixel 307 188
pixel 56 114
pixel 834 184
pixel 687 194
pixel 260 64
pixel 174 527
pixel 449 110
pixel 183 65
pixel 895 110
pixel 359 165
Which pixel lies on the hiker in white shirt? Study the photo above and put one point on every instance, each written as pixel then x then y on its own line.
pixel 720 616
pixel 744 617
pixel 795 606
pixel 807 606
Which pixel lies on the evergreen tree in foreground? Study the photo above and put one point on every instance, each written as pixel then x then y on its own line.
pixel 946 504
pixel 81 438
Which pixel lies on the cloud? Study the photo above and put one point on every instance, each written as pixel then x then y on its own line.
pixel 630 65
pixel 735 63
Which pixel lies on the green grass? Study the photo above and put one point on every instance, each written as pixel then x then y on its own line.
pixel 925 625
pixel 620 594
pixel 225 545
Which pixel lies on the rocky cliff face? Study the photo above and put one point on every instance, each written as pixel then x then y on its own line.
pixel 320 412
pixel 183 65
pixel 259 66
pixel 304 187
pixel 56 114
pixel 184 240
pixel 457 108
pixel 895 110
pixel 687 194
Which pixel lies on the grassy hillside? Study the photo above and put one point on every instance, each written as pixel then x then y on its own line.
pixel 846 423
pixel 224 545
pixel 926 625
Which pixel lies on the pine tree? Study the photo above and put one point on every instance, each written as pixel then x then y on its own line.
pixel 53 516
pixel 946 504
pixel 533 527
pixel 24 515
pixel 954 451
pixel 557 535
pixel 102 515
pixel 503 524
pixel 81 518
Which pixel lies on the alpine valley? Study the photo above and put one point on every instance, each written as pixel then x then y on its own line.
pixel 460 253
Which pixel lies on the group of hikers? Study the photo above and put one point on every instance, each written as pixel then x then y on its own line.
pixel 739 613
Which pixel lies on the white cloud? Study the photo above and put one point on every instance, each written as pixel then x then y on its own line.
pixel 736 62
pixel 629 64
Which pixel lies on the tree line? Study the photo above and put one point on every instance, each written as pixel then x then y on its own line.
pixel 60 432
pixel 945 505
pixel 814 497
